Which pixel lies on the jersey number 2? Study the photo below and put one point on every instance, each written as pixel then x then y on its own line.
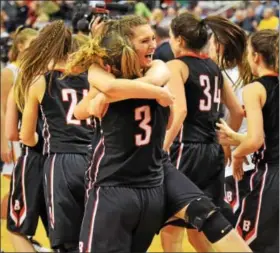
pixel 206 104
pixel 143 113
pixel 71 95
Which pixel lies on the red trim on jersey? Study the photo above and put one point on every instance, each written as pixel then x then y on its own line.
pixel 60 70
pixel 195 55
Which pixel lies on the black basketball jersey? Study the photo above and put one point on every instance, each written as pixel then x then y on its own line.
pixel 203 94
pixel 129 152
pixel 62 132
pixel 97 132
pixel 269 152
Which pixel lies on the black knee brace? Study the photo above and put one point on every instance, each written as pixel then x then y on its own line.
pixel 206 217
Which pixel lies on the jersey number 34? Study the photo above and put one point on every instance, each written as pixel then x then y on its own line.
pixel 206 104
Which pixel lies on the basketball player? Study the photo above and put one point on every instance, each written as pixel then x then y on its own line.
pixel 66 139
pixel 10 149
pixel 258 222
pixel 22 38
pixel 125 187
pixel 227 47
pixel 199 89
pixel 26 200
pixel 125 27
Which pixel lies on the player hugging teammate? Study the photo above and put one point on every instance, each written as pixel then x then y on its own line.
pixel 141 110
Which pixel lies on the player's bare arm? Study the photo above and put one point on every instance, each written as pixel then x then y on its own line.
pixel 254 97
pixel 11 128
pixel 158 74
pixel 82 110
pixel 235 109
pixel 176 86
pixel 112 87
pixel 28 133
pixel 6 84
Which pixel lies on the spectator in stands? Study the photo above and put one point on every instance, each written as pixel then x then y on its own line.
pixel 65 11
pixel 250 23
pixel 157 16
pixel 259 8
pixel 239 17
pixel 163 51
pixel 269 21
pixel 33 12
pixel 42 20
pixel 9 8
pixel 170 14
pixel 142 10
pixel 198 11
pixel 22 12
pixel 182 10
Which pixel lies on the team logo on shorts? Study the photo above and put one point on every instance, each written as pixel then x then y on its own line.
pixel 81 246
pixel 17 205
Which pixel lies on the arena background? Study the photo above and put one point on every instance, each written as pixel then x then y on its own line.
pixel 248 14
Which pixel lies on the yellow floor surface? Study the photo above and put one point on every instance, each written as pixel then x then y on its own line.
pixel 41 237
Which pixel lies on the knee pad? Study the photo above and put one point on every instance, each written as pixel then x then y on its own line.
pixel 206 217
pixel 227 212
pixel 216 227
pixel 198 211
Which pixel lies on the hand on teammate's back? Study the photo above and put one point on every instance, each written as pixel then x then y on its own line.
pixel 224 128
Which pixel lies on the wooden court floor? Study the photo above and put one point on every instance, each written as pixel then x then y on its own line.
pixel 41 237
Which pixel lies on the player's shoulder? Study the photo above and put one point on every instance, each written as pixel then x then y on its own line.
pixel 38 84
pixel 255 87
pixel 7 74
pixel 38 87
pixel 176 63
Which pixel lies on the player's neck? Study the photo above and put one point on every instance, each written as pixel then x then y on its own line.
pixel 267 72
pixel 58 66
pixel 185 52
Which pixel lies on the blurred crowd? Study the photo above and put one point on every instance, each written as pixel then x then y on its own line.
pixel 250 15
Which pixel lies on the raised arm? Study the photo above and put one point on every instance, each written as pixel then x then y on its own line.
pixel 121 88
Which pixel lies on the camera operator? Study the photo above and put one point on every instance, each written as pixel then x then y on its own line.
pixel 86 13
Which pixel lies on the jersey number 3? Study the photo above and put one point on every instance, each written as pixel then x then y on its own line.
pixel 206 104
pixel 143 113
pixel 71 95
